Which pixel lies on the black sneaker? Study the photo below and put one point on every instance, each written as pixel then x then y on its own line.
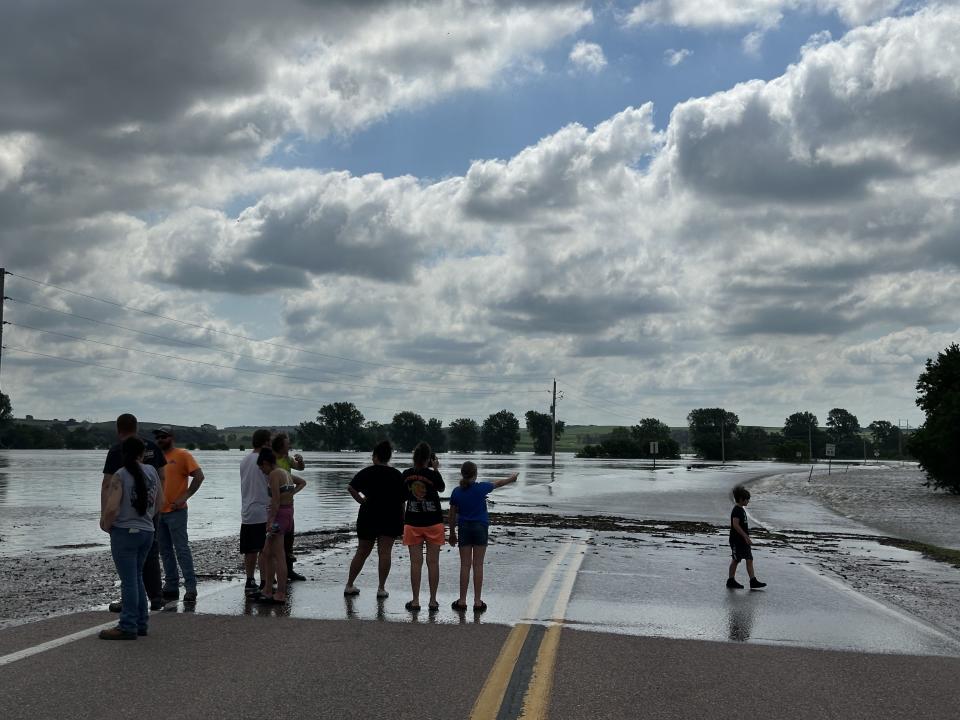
pixel 293 575
pixel 171 594
pixel 756 584
pixel 157 603
pixel 116 606
pixel 733 584
pixel 190 596
pixel 251 588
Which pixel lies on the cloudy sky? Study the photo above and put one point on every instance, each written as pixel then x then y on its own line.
pixel 440 206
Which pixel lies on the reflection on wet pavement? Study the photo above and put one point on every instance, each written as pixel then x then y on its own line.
pixel 638 584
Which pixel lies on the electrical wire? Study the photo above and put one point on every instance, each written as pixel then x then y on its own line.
pixel 249 356
pixel 311 401
pixel 264 342
pixel 256 372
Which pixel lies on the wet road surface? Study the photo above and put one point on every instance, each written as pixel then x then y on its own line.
pixel 567 635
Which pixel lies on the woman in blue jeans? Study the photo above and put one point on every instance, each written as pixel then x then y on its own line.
pixel 133 496
pixel 468 516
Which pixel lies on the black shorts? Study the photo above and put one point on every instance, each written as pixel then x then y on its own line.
pixel 741 551
pixel 373 527
pixel 252 537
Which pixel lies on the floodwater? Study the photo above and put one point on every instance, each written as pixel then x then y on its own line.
pixel 49 499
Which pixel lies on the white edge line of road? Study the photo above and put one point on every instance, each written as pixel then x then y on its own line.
pixel 79 635
pixel 901 615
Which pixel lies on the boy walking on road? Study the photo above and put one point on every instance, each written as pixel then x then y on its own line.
pixel 740 541
pixel 172 528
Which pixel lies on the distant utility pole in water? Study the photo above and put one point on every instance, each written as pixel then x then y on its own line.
pixel 3 276
pixel 810 442
pixel 553 427
pixel 723 449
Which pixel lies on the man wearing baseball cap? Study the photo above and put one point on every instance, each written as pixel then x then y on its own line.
pixel 174 544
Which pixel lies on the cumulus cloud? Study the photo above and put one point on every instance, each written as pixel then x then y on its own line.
pixel 675 57
pixel 773 244
pixel 588 56
pixel 763 14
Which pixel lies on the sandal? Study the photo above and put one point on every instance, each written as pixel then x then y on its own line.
pixel 349 592
pixel 411 607
pixel 433 607
pixel 482 607
pixel 458 606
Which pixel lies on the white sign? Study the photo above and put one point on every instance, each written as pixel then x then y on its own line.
pixel 654 448
pixel 831 450
pixel 876 453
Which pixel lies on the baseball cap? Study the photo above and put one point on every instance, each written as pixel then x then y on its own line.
pixel 162 430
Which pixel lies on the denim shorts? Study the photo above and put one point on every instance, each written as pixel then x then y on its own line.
pixel 472 532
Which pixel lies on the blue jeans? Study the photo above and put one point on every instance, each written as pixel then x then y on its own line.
pixel 175 548
pixel 129 550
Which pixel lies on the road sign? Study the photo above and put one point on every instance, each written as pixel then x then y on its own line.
pixel 876 453
pixel 654 448
pixel 831 450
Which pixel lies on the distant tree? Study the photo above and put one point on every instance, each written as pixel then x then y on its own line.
pixel 705 427
pixel 501 432
pixel 436 436
pixel 753 443
pixel 407 429
pixel 799 426
pixel 934 443
pixel 885 436
pixel 538 426
pixel 340 425
pixel 843 424
pixel 6 408
pixel 310 435
pixel 464 435
pixel 653 430
pixel 371 434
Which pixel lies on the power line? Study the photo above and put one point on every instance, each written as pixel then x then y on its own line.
pixel 311 401
pixel 261 372
pixel 596 407
pixel 264 342
pixel 248 356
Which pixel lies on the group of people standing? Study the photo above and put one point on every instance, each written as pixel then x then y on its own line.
pixel 143 507
pixel 393 505
pixel 146 485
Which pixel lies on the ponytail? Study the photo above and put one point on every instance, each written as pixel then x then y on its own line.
pixel 468 472
pixel 132 450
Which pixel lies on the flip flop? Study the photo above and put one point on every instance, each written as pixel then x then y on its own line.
pixel 411 607
pixel 458 606
pixel 433 607
pixel 482 607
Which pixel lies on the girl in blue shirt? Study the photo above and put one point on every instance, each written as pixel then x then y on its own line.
pixel 468 517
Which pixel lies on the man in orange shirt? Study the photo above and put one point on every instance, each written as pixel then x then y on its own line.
pixel 174 544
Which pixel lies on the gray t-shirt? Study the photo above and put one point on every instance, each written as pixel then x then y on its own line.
pixel 127 516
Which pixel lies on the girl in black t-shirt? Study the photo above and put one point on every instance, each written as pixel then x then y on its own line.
pixel 381 493
pixel 423 523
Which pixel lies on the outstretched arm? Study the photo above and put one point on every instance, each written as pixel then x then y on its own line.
pixel 506 481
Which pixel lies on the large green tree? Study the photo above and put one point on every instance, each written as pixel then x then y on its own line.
pixel 653 430
pixel 501 432
pixel 934 443
pixel 340 426
pixel 436 436
pixel 6 408
pixel 538 426
pixel 705 428
pixel 407 429
pixel 464 435
pixel 885 437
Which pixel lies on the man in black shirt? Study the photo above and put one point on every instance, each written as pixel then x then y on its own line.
pixel 153 455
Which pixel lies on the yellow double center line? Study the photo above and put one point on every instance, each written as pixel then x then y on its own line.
pixel 527 659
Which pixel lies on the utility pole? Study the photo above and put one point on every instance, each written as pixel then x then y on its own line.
pixel 3 277
pixel 553 428
pixel 723 450
pixel 810 441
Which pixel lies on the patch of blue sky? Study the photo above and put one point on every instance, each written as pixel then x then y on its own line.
pixel 441 139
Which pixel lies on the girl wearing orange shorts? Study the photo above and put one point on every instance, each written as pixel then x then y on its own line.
pixel 423 524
